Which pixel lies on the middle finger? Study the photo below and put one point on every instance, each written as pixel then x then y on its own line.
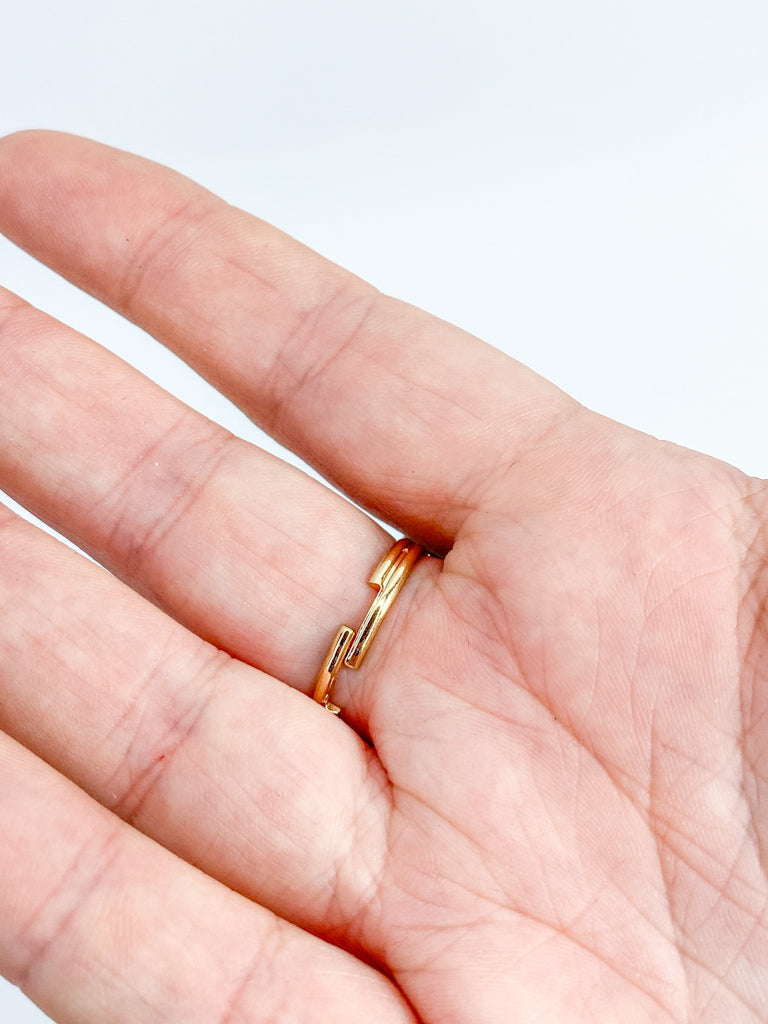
pixel 248 552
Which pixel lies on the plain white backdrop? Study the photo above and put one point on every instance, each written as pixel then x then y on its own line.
pixel 585 185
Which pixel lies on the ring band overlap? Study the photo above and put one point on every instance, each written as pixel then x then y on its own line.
pixel 350 646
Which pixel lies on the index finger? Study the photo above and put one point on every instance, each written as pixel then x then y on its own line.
pixel 406 414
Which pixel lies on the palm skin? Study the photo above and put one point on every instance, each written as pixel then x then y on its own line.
pixel 545 802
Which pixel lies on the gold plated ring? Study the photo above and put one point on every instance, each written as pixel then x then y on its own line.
pixel 350 646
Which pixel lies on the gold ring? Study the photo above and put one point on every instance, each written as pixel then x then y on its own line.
pixel 350 646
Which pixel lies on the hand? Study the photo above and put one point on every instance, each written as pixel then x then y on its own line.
pixel 545 799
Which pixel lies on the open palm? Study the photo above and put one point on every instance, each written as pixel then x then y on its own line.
pixel 546 797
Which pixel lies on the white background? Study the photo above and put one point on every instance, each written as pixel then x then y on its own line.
pixel 583 184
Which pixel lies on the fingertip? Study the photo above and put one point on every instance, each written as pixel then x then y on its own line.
pixel 27 143
pixel 24 157
pixel 33 154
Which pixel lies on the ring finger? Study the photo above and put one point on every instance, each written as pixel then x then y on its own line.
pixel 219 762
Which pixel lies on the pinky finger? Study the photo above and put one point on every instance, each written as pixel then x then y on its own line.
pixel 100 924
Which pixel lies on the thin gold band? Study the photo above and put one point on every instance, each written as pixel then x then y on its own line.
pixel 350 646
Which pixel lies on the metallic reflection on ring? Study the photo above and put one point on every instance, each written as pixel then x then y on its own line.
pixel 350 646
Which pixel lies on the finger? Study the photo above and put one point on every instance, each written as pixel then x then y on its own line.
pixel 99 925
pixel 408 415
pixel 249 553
pixel 230 769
